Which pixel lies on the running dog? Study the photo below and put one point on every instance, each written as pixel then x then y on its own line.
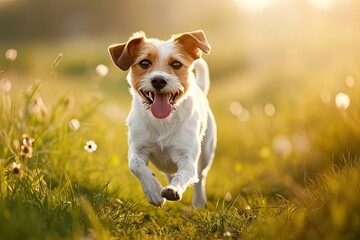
pixel 170 122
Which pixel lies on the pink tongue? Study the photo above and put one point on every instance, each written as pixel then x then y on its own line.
pixel 161 108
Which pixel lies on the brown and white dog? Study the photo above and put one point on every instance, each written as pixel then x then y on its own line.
pixel 170 122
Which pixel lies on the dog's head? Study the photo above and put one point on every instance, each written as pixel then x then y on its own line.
pixel 160 70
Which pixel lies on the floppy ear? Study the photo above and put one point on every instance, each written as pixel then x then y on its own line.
pixel 193 42
pixel 123 54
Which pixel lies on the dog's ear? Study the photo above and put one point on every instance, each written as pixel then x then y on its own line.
pixel 193 42
pixel 124 54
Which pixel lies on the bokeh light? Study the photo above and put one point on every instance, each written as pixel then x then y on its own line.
pixel 270 109
pixel 282 146
pixel 235 108
pixel 325 96
pixel 102 70
pixel 342 101
pixel 244 116
pixel 11 54
pixel 349 81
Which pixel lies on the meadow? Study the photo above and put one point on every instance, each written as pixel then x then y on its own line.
pixel 284 91
pixel 286 167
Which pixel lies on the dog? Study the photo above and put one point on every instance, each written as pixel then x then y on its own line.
pixel 170 122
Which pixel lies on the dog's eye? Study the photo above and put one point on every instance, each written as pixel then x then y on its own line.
pixel 145 64
pixel 176 65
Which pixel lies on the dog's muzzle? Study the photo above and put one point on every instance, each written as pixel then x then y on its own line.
pixel 158 83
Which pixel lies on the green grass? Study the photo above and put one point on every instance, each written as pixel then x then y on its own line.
pixel 255 190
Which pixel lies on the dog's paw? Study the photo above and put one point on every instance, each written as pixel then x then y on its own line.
pixel 152 190
pixel 171 193
pixel 155 199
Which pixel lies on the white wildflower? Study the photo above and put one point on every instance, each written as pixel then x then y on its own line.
pixel 90 146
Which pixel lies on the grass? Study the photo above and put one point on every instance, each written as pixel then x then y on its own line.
pixel 52 188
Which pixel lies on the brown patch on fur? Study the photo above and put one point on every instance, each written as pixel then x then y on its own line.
pixel 184 48
pixel 149 50
pixel 193 43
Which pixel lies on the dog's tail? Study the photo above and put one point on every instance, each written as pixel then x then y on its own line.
pixel 202 75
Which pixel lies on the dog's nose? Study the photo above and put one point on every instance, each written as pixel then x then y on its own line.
pixel 158 83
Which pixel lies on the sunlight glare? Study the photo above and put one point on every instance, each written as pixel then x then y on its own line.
pixel 322 4
pixel 253 4
pixel 342 101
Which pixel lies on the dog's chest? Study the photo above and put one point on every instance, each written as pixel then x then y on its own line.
pixel 162 160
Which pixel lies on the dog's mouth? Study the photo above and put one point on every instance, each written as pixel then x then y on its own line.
pixel 161 104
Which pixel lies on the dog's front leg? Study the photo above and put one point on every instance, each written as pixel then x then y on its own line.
pixel 138 161
pixel 186 162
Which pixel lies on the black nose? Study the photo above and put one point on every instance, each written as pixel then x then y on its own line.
pixel 158 83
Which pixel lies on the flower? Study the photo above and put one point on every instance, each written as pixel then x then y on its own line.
pixel 74 124
pixel 26 151
pixel 15 167
pixel 26 146
pixel 27 140
pixel 90 146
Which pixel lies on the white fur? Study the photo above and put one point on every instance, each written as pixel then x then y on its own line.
pixel 181 145
pixel 172 85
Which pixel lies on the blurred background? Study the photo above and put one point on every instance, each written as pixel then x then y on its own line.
pixel 285 74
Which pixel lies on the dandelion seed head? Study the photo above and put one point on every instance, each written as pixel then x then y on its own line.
pixel 90 146
pixel 11 54
pixel 102 70
pixel 74 124
pixel 342 101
